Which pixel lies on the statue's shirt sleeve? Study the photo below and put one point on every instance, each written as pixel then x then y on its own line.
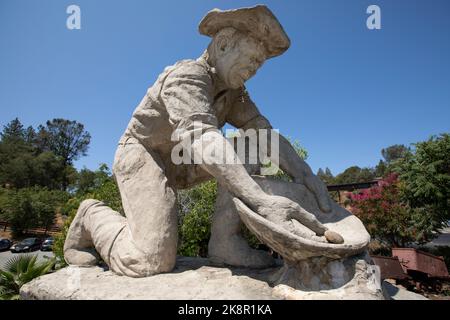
pixel 187 94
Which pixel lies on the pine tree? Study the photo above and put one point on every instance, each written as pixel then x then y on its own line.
pixel 13 132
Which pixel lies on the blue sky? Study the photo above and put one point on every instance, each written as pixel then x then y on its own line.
pixel 344 91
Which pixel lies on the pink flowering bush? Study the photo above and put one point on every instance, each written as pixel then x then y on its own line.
pixel 388 217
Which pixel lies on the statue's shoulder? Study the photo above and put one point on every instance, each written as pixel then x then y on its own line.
pixel 182 71
pixel 189 67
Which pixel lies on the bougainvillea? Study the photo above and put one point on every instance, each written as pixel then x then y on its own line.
pixel 388 217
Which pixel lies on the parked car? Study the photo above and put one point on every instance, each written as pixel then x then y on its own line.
pixel 5 244
pixel 47 245
pixel 27 245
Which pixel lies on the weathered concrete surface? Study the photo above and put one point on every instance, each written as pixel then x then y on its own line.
pixel 393 292
pixel 193 278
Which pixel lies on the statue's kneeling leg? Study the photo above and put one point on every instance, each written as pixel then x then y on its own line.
pixel 78 246
pixel 145 242
pixel 227 245
pixel 148 245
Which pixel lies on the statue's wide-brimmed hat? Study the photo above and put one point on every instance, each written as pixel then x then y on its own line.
pixel 259 22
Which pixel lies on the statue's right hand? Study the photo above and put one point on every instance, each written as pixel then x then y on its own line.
pixel 280 209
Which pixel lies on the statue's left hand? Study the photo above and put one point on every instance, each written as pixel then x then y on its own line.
pixel 318 188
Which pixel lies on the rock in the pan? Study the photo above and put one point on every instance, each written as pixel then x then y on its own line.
pixel 333 237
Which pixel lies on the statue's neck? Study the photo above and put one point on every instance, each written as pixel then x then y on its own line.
pixel 219 84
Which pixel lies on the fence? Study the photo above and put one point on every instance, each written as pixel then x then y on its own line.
pixel 51 230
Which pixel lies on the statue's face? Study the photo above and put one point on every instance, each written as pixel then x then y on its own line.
pixel 237 64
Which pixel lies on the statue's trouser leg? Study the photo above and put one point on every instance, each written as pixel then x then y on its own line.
pixel 226 244
pixel 79 244
pixel 148 244
pixel 102 225
pixel 143 243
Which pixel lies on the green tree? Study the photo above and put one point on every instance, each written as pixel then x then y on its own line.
pixel 15 155
pixel 355 174
pixel 30 136
pixel 28 208
pixel 326 176
pixel 46 170
pixel 394 152
pixel 23 164
pixel 15 163
pixel 13 132
pixel 19 270
pixel 381 169
pixel 18 210
pixel 87 180
pixel 426 177
pixel 65 138
pixel 3 201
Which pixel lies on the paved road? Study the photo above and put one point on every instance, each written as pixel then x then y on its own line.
pixel 6 255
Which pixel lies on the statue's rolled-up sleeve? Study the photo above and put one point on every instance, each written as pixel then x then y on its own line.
pixel 187 95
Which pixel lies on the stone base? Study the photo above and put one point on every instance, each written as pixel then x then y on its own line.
pixel 193 278
pixel 393 292
pixel 350 278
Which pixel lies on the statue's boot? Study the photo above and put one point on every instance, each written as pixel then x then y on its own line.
pixel 227 245
pixel 93 220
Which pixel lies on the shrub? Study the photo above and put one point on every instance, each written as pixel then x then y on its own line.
pixel 425 175
pixel 19 270
pixel 196 207
pixel 30 207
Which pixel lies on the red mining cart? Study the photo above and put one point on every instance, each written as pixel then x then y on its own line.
pixel 427 270
pixel 390 268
